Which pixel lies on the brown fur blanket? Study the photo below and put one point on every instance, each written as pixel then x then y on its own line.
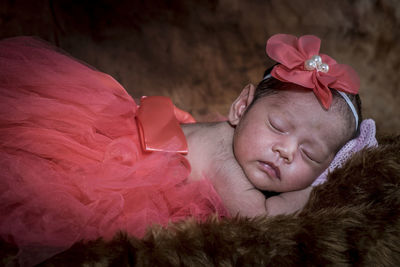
pixel 353 219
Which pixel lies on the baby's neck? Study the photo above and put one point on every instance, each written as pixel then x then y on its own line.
pixel 209 144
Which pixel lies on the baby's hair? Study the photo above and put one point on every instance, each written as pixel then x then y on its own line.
pixel 271 86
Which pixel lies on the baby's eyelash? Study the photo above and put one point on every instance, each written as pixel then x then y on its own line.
pixel 273 126
pixel 309 157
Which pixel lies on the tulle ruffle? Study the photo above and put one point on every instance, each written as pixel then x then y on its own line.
pixel 71 166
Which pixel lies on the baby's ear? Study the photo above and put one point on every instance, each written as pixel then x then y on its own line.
pixel 241 103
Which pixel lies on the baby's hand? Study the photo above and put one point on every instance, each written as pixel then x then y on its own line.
pixel 287 202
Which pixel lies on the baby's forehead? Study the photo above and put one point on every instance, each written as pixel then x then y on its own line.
pixel 302 109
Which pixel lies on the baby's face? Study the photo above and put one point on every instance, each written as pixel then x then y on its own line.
pixel 284 141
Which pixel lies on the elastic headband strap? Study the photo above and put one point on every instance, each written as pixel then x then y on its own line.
pixel 267 76
pixel 345 97
pixel 353 109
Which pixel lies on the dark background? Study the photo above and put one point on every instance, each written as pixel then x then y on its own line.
pixel 202 53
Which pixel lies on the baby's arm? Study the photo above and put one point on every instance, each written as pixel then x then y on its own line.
pixel 287 202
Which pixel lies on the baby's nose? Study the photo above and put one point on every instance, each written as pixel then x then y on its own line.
pixel 286 150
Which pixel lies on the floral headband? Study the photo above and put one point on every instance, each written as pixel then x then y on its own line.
pixel 301 63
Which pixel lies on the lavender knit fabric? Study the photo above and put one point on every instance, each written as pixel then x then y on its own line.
pixel 365 139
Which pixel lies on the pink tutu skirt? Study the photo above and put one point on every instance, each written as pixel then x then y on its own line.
pixel 71 166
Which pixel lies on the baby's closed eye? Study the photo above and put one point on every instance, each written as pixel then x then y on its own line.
pixel 310 156
pixel 277 125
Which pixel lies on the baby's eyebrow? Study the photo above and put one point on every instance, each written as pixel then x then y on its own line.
pixel 289 118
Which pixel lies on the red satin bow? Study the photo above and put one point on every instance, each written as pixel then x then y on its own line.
pixel 292 53
pixel 159 127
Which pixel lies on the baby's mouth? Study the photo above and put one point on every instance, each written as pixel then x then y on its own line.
pixel 270 169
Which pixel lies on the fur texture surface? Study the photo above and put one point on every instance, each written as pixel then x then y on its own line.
pixel 352 220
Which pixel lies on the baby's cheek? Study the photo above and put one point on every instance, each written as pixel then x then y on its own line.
pixel 302 177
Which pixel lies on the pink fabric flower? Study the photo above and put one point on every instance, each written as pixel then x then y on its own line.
pixel 294 55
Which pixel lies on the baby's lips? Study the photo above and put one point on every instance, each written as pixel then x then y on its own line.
pixel 271 169
pixel 278 172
